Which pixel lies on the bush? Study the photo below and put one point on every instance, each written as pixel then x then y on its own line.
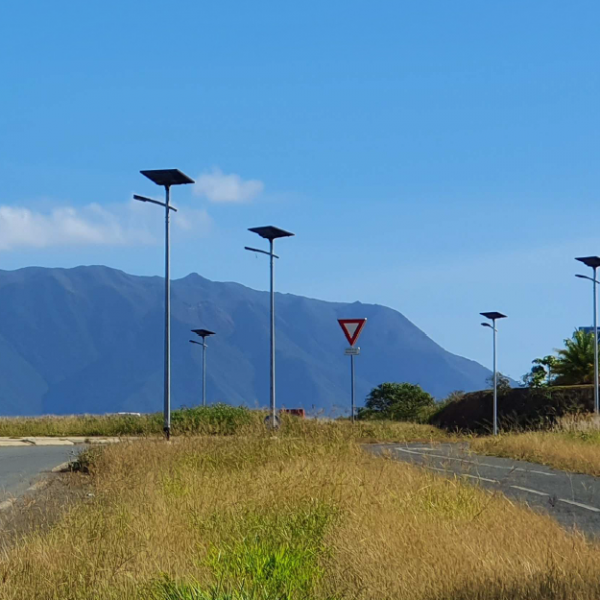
pixel 218 419
pixel 518 408
pixel 398 402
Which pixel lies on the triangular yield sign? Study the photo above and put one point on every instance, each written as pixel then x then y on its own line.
pixel 352 328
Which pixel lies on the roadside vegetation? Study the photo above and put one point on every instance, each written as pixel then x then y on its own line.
pixel 573 444
pixel 293 517
pixel 218 419
pixel 547 421
pixel 393 412
pixel 398 402
pixel 570 442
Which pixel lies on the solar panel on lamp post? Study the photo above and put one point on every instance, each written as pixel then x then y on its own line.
pixel 493 316
pixel 594 263
pixel 203 333
pixel 271 233
pixel 166 178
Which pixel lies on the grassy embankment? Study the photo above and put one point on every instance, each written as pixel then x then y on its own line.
pixel 573 444
pixel 220 419
pixel 306 515
pixel 210 420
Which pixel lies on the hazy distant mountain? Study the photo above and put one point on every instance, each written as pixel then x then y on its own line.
pixel 90 339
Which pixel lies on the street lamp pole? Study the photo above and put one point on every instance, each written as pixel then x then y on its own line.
pixel 495 380
pixel 271 233
pixel 203 333
pixel 352 387
pixel 166 178
pixel 596 402
pixel 272 376
pixel 493 316
pixel 167 366
pixel 203 372
pixel 594 263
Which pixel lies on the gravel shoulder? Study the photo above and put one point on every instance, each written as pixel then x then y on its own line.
pixel 43 506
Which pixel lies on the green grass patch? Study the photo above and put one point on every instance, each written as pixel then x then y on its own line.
pixel 261 556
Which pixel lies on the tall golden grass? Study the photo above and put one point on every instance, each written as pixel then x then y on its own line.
pixel 218 419
pixel 573 445
pixel 304 516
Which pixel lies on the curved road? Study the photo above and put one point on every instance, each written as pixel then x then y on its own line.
pixel 22 466
pixel 572 499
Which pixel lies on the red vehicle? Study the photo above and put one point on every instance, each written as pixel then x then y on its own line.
pixel 297 412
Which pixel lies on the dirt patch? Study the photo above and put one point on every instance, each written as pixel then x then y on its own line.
pixel 40 509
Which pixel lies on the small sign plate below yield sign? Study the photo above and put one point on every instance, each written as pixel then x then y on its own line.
pixel 352 351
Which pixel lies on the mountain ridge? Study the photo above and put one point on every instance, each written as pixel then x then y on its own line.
pixel 90 339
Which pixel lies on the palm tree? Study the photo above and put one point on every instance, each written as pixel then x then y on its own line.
pixel 575 362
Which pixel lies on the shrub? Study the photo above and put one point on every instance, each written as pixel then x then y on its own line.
pixel 218 419
pixel 398 402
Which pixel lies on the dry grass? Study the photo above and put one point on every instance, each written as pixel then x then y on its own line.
pixel 218 419
pixel 360 431
pixel 572 445
pixel 291 518
pixel 80 425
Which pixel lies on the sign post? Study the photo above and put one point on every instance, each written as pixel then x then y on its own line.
pixel 352 329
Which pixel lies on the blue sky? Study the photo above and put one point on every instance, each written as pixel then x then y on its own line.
pixel 437 157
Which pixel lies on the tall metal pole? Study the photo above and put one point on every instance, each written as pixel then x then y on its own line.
pixel 352 383
pixel 203 371
pixel 595 284
pixel 166 178
pixel 495 383
pixel 273 421
pixel 167 382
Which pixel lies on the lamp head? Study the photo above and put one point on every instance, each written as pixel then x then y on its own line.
pixel 493 315
pixel 590 261
pixel 270 233
pixel 167 177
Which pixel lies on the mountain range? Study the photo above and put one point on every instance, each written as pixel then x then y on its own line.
pixel 90 340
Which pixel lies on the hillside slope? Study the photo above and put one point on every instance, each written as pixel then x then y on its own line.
pixel 89 339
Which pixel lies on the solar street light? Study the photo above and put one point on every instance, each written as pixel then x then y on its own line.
pixel 594 263
pixel 494 316
pixel 271 233
pixel 166 178
pixel 203 333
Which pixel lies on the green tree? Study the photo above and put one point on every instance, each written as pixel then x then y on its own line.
pixel 502 382
pixel 536 378
pixel 396 401
pixel 575 362
pixel 542 373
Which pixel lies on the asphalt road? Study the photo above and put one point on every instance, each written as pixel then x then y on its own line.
pixel 572 499
pixel 21 467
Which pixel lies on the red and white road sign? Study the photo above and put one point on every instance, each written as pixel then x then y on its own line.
pixel 352 328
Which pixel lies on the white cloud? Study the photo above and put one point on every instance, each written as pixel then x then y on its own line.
pixel 66 226
pixel 194 220
pixel 127 224
pixel 216 186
